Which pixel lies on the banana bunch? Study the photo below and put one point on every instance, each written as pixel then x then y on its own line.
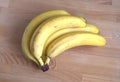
pixel 53 32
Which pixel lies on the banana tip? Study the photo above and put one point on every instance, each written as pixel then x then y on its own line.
pixel 45 68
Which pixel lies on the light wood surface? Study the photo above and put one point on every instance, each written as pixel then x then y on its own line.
pixel 80 64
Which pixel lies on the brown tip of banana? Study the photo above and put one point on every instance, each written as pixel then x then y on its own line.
pixel 45 68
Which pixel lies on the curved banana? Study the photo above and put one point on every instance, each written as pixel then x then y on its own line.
pixel 50 26
pixel 71 40
pixel 89 28
pixel 32 27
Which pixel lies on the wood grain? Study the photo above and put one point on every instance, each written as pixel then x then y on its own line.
pixel 80 64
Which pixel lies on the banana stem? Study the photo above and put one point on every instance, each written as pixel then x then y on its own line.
pixel 46 66
pixel 41 62
pixel 48 60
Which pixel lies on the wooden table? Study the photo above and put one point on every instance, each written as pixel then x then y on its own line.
pixel 80 64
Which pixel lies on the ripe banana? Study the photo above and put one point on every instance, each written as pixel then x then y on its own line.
pixel 71 40
pixel 50 26
pixel 32 27
pixel 89 28
pixel 55 31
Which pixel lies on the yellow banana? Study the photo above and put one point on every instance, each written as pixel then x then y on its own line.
pixel 32 27
pixel 71 40
pixel 50 26
pixel 89 28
